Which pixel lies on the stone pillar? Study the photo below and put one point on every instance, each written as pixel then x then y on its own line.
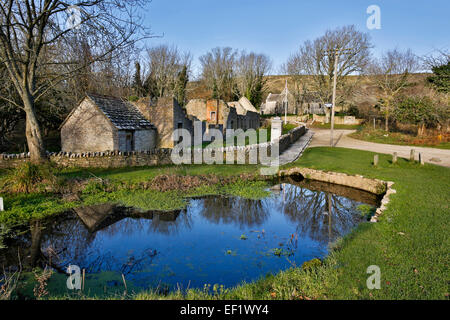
pixel 394 158
pixel 276 129
pixel 411 156
pixel 1 204
pixel 375 160
pixel 421 159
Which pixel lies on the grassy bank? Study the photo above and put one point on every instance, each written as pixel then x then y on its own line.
pixel 96 186
pixel 398 138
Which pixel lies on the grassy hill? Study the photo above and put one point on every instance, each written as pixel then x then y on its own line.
pixel 365 94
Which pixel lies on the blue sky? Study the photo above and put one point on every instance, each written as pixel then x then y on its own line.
pixel 277 28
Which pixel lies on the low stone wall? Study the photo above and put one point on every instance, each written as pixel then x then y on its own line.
pixel 359 182
pixel 375 186
pixel 347 120
pixel 117 159
pixel 113 159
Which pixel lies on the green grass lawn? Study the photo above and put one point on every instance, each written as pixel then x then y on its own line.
pixel 397 138
pixel 410 243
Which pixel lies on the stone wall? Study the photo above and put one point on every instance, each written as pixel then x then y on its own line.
pixel 355 181
pixel 108 159
pixel 118 159
pixel 347 120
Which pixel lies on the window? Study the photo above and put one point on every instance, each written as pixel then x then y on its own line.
pixel 212 115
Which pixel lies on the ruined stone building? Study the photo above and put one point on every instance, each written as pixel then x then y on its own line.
pixel 247 115
pixel 167 115
pixel 102 123
pixel 221 115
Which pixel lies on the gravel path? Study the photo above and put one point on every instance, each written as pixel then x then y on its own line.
pixel 431 155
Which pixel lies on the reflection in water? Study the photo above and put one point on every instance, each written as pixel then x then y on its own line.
pixel 215 240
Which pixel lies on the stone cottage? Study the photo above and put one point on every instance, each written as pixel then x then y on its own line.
pixel 103 123
pixel 275 103
pixel 167 115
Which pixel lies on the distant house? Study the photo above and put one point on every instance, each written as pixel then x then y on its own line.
pixel 102 123
pixel 277 103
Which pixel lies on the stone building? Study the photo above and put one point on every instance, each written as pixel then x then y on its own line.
pixel 221 115
pixel 276 103
pixel 102 123
pixel 248 116
pixel 167 115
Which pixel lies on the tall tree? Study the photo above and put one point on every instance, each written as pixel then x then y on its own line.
pixel 180 86
pixel 138 86
pixel 35 46
pixel 218 71
pixel 251 70
pixel 392 74
pixel 316 59
pixel 164 66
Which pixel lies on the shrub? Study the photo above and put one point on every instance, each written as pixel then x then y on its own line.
pixel 28 178
pixel 312 264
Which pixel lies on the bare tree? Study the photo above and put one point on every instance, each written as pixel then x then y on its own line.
pixel 314 59
pixel 34 38
pixel 164 65
pixel 391 74
pixel 218 73
pixel 251 70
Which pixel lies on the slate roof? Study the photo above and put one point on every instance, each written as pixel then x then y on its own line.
pixel 273 97
pixel 122 114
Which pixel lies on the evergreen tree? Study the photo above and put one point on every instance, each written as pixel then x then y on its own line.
pixel 137 82
pixel 180 87
pixel 440 79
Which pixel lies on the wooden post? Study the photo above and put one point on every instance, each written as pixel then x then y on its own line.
pixel 394 158
pixel 375 160
pixel 84 277
pixel 411 156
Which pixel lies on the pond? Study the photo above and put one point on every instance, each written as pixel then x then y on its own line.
pixel 215 240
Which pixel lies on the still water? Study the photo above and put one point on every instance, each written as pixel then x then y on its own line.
pixel 215 240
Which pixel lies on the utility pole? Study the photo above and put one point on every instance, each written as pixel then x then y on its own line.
pixel 337 53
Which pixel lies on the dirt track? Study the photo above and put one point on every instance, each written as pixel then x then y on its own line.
pixel 432 155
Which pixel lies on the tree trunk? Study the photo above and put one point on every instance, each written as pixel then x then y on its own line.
pixel 33 132
pixel 386 124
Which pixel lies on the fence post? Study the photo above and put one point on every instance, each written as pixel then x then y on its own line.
pixel 411 156
pixel 421 159
pixel 394 158
pixel 375 160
